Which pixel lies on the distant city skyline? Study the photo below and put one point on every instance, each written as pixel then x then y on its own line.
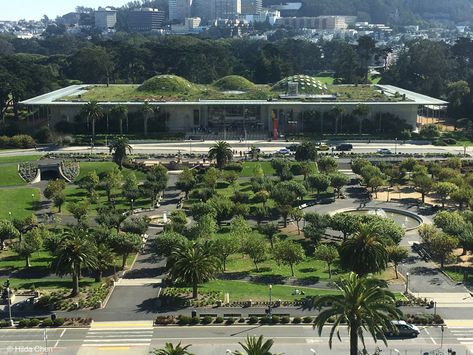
pixel 36 9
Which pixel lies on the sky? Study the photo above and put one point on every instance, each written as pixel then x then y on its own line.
pixel 13 10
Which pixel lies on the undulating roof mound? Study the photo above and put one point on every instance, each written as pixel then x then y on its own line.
pixel 233 82
pixel 307 85
pixel 167 84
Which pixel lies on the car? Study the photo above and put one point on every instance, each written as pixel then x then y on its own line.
pixel 292 147
pixel 404 329
pixel 384 151
pixel 284 151
pixel 323 147
pixel 344 147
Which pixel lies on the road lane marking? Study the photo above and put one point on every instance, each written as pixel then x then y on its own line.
pixel 113 348
pixel 431 338
pixel 59 339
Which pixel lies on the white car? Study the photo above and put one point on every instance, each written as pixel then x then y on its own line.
pixel 384 151
pixel 284 151
pixel 404 329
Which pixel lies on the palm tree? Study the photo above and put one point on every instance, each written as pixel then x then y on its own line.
pixel 105 259
pixel 120 148
pixel 256 346
pixel 146 110
pixel 75 251
pixel 364 253
pixel 337 111
pixel 169 349
pixel 361 111
pixel 121 112
pixel 93 112
pixel 222 152
pixel 364 304
pixel 193 264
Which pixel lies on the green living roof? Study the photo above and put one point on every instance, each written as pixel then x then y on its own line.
pixel 170 88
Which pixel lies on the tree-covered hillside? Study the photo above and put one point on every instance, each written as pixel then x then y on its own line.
pixel 399 12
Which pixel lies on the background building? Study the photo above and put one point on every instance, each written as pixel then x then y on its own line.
pixel 251 7
pixel 105 18
pixel 145 20
pixel 319 22
pixel 179 9
pixel 225 9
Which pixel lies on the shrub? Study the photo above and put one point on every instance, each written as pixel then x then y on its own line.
pixel 48 322
pixel 165 320
pixel 4 323
pixel 275 319
pixel 307 320
pixel 23 323
pixel 241 320
pixel 230 321
pixel 219 320
pixel 234 167
pixel 285 320
pixel 195 320
pixel 253 320
pixel 265 320
pixel 34 322
pixel 184 320
pixel 58 322
pixel 297 320
pixel 206 320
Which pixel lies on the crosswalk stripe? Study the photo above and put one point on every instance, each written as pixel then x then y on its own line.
pixel 147 340
pixel 114 336
pixel 114 344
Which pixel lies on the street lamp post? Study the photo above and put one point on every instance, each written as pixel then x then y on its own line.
pixel 270 298
pixel 32 201
pixel 6 285
pixel 407 282
pixel 395 145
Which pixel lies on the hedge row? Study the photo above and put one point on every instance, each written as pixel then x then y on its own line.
pixel 19 141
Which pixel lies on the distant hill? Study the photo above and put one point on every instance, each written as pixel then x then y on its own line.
pixel 395 12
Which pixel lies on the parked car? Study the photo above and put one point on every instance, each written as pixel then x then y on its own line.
pixel 404 329
pixel 292 147
pixel 384 151
pixel 344 147
pixel 323 147
pixel 284 151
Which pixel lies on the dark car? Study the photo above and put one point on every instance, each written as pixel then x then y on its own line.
pixel 344 147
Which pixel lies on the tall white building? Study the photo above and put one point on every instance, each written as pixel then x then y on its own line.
pixel 225 9
pixel 105 18
pixel 251 7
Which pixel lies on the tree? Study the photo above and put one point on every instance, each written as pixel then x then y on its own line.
pixel 205 228
pixel 223 207
pixel 105 259
pixel 136 225
pixel 166 242
pixel 363 304
pixel 255 247
pixel 55 191
pixel 170 349
pixel 375 183
pixel 306 151
pixel 155 183
pixel 178 220
pixel 297 215
pixel 327 253
pixel 79 211
pixel 364 253
pixel 256 346
pixel 146 110
pixel 225 245
pixel 222 152
pixel 210 178
pixel 347 223
pixel 125 244
pixel 439 244
pixel 396 254
pixel 361 111
pixel 315 226
pixel 112 181
pixel 90 183
pixel 130 188
pixel 231 177
pixel 121 113
pixel 444 189
pixel 423 184
pixel 327 165
pixel 200 209
pixel 30 242
pixel 338 180
pixel 119 149
pixel 269 230
pixel 110 218
pixel 262 196
pixel 93 112
pixel 75 251
pixel 337 112
pixel 186 181
pixel 319 182
pixel 289 253
pixel 193 264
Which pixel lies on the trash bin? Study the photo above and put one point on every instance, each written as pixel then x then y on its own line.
pixel 194 313
pixel 53 316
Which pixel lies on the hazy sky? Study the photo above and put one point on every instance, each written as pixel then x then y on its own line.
pixel 35 9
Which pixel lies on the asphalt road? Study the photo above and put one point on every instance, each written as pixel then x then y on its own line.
pixel 266 147
pixel 213 340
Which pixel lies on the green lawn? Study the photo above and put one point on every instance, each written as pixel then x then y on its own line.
pixel 310 270
pixel 19 158
pixel 249 166
pixel 103 167
pixel 325 79
pixel 10 176
pixel 244 291
pixel 17 201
